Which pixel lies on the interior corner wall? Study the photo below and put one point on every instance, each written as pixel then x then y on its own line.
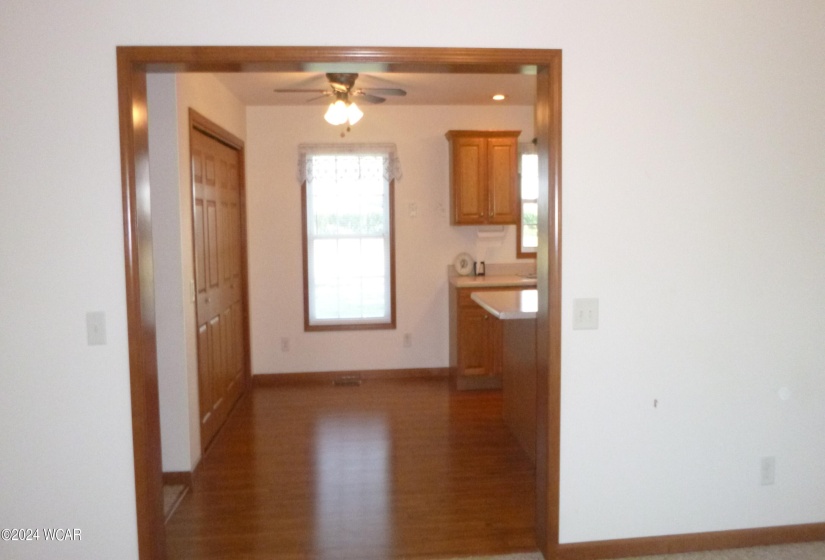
pixel 170 297
pixel 426 243
pixel 170 98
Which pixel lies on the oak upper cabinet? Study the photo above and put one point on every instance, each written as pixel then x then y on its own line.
pixel 484 176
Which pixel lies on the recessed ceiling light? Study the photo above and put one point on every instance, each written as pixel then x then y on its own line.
pixel 499 97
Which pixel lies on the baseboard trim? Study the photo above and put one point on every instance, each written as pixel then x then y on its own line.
pixel 178 477
pixel 477 382
pixel 694 542
pixel 328 377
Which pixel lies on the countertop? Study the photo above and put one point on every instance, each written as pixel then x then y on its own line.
pixel 493 281
pixel 508 304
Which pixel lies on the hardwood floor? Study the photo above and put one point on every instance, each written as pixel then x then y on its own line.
pixel 400 468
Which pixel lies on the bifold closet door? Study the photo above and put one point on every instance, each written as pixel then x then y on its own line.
pixel 217 226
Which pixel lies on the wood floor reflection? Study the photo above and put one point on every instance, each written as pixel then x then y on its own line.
pixel 387 469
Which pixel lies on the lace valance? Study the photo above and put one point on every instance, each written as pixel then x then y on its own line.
pixel 350 159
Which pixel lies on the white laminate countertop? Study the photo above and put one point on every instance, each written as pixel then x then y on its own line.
pixel 493 281
pixel 508 304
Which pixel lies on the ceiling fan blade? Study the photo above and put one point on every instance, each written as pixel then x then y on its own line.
pixel 316 98
pixel 367 97
pixel 300 90
pixel 386 91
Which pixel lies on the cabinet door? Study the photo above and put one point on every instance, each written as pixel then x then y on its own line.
pixel 469 172
pixel 473 355
pixel 494 343
pixel 502 181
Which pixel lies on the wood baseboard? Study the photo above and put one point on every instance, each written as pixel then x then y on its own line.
pixel 175 478
pixel 477 382
pixel 329 377
pixel 694 542
pixel 178 477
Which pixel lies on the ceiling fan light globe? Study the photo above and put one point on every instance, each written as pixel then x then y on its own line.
pixel 354 114
pixel 337 113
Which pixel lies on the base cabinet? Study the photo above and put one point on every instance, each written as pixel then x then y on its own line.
pixel 476 342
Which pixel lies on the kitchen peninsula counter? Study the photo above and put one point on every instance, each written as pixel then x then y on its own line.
pixel 476 337
pixel 508 304
pixel 494 281
pixel 516 310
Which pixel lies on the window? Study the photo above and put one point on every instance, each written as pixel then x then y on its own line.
pixel 349 257
pixel 528 233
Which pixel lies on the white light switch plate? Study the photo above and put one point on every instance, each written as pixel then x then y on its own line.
pixel 585 313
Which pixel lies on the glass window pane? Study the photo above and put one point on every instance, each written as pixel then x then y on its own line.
pixel 349 220
pixel 372 262
pixel 530 213
pixel 349 298
pixel 349 256
pixel 326 217
pixel 529 176
pixel 347 238
pixel 375 301
pixel 529 225
pixel 325 261
pixel 326 301
pixel 530 237
pixel 373 212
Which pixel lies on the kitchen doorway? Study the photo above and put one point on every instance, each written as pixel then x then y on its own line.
pixel 133 65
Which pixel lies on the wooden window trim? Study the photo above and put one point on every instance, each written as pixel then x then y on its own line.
pixel 348 326
pixel 520 252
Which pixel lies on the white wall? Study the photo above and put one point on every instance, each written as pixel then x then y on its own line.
pixel 693 204
pixel 425 242
pixel 170 97
pixel 694 198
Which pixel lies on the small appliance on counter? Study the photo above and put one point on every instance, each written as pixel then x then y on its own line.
pixel 465 265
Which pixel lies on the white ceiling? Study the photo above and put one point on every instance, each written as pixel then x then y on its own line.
pixel 256 88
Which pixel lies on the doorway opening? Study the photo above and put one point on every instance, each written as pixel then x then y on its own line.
pixel 133 65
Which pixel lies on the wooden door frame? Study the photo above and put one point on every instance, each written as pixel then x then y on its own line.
pixel 133 63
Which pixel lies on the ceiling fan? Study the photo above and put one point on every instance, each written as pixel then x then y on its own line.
pixel 343 109
pixel 342 84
